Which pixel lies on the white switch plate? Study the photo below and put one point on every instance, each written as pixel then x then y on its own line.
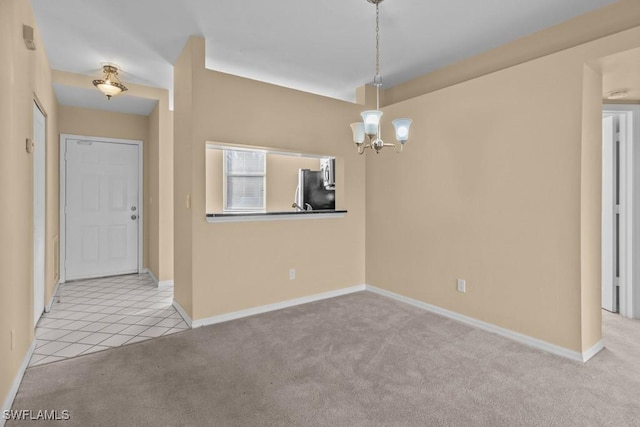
pixel 292 274
pixel 462 286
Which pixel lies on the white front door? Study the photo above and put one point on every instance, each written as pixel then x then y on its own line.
pixel 101 208
pixel 39 173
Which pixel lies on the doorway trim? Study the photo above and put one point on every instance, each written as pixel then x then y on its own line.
pixel 629 119
pixel 39 221
pixel 63 199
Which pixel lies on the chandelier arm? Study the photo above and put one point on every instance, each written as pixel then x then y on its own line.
pixel 395 147
pixel 363 147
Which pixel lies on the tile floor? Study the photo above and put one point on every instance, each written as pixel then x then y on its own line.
pixel 97 314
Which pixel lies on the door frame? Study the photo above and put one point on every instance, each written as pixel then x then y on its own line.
pixel 629 119
pixel 39 280
pixel 63 199
pixel 610 257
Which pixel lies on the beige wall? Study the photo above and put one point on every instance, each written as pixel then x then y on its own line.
pixel 160 195
pixel 214 180
pixel 499 185
pixel 236 266
pixel 89 122
pixel 591 208
pixel 282 180
pixel 183 152
pixel 165 192
pixel 152 242
pixel 27 76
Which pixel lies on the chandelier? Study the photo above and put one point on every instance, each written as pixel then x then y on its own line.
pixel 110 84
pixel 370 124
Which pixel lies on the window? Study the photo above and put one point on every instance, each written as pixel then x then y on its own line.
pixel 244 183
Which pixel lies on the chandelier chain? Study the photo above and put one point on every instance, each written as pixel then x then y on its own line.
pixel 377 39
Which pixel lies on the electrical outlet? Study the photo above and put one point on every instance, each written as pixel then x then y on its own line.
pixel 292 274
pixel 462 286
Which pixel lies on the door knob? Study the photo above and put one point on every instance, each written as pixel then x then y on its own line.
pixel 134 217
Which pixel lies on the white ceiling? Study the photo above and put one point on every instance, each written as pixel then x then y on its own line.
pixel 324 46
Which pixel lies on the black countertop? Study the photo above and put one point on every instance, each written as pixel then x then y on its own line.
pixel 239 214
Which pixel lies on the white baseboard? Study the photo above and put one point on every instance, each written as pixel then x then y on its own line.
pixel 182 313
pixel 159 283
pixel 8 401
pixel 586 355
pixel 271 307
pixel 507 333
pixel 165 284
pixel 150 273
pixel 47 308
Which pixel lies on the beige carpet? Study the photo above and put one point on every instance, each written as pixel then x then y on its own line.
pixel 357 360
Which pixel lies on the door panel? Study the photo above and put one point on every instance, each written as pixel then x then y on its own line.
pixel 117 242
pixel 91 193
pixel 101 191
pixel 117 193
pixel 90 243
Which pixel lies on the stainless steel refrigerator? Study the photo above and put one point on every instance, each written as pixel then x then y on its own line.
pixel 312 193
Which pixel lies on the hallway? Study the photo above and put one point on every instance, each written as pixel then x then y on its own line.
pixel 98 314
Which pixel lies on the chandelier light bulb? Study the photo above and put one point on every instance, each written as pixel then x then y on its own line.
pixel 358 132
pixel 402 129
pixel 371 119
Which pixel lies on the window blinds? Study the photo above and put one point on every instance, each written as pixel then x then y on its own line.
pixel 245 180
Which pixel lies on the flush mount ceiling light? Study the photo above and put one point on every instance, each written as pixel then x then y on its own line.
pixel 618 94
pixel 110 84
pixel 370 124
